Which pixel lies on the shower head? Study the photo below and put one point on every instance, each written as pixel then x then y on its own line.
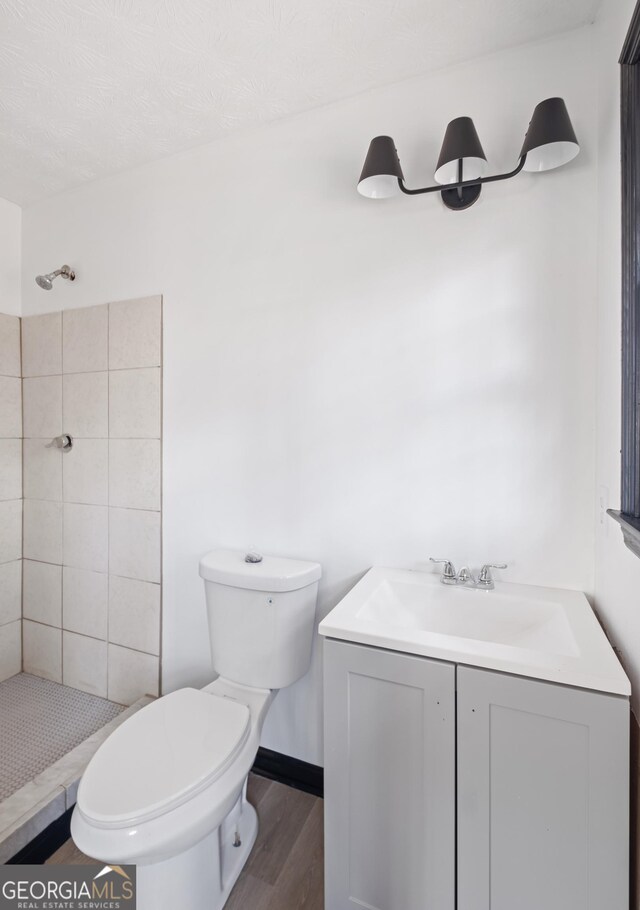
pixel 46 281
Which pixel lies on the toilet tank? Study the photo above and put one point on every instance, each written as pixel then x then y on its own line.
pixel 261 616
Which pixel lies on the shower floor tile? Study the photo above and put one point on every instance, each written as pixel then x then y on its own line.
pixel 40 722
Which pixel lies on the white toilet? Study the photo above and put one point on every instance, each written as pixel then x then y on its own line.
pixel 167 789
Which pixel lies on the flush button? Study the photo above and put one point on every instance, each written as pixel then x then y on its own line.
pixel 252 556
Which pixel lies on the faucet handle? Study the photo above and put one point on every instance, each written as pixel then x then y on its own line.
pixel 485 577
pixel 449 574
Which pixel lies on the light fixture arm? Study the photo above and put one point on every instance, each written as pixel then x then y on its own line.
pixel 461 184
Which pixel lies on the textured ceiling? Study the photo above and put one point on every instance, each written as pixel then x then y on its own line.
pixel 89 87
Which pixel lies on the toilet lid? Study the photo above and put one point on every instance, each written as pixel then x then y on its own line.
pixel 162 756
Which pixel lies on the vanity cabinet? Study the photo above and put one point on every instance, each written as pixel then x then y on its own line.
pixel 389 780
pixel 543 795
pixel 453 787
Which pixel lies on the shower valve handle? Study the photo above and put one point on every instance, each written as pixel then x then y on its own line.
pixel 61 442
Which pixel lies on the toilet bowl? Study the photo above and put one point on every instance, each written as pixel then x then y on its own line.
pixel 167 790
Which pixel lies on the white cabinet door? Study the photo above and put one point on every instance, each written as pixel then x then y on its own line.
pixel 389 780
pixel 543 795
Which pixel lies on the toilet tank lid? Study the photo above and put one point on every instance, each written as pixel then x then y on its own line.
pixel 273 573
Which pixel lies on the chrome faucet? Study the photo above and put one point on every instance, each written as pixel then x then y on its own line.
pixel 465 578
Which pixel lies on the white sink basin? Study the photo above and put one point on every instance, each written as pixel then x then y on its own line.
pixel 497 616
pixel 544 633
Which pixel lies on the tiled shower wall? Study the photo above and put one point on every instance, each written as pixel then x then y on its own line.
pixel 92 514
pixel 10 497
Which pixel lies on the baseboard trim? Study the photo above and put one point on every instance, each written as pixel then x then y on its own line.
pixel 293 772
pixel 45 844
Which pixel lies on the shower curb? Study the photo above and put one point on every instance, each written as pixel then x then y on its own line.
pixel 27 812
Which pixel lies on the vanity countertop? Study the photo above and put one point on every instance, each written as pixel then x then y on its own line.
pixel 542 633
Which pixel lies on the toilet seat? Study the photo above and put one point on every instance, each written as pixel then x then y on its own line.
pixel 162 756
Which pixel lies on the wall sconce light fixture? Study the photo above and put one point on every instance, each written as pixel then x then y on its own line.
pixel 462 166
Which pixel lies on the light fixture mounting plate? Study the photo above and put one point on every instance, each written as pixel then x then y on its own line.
pixel 461 198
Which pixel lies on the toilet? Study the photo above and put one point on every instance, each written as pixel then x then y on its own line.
pixel 167 790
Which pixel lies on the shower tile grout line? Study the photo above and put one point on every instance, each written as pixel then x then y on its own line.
pixel 151 366
pixel 107 641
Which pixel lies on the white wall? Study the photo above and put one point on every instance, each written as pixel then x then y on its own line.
pixel 10 223
pixel 357 382
pixel 617 569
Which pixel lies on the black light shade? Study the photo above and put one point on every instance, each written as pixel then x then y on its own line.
pixel 461 142
pixel 550 141
pixel 379 177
